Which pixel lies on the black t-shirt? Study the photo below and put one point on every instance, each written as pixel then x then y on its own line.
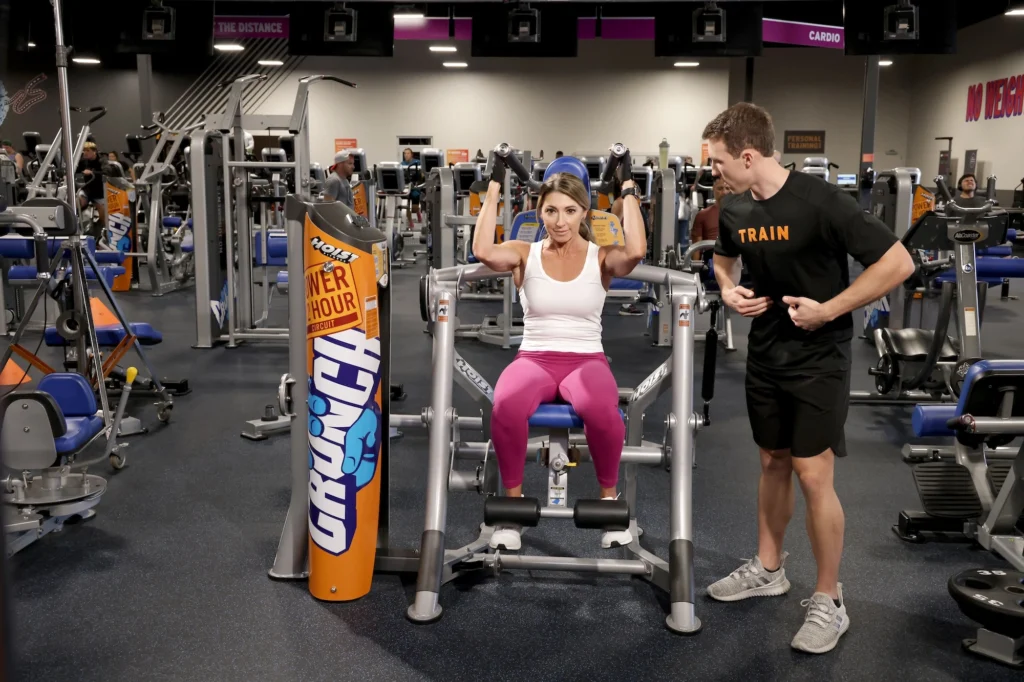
pixel 93 186
pixel 796 243
pixel 977 201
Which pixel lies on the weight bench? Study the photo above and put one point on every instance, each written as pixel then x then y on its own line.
pixel 959 494
pixel 990 413
pixel 114 336
pixel 43 431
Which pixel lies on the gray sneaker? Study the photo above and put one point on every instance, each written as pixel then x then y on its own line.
pixel 823 625
pixel 751 580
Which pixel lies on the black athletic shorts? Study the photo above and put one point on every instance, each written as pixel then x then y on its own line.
pixel 803 412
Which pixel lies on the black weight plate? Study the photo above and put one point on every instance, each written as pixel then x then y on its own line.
pixel 993 598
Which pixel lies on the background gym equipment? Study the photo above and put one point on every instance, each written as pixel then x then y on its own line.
pixel 222 222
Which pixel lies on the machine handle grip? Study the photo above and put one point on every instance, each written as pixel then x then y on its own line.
pixel 335 79
pixel 253 77
pixel 940 183
pixel 990 189
pixel 42 256
pixel 512 162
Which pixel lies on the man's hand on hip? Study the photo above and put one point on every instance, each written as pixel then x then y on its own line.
pixel 806 313
pixel 743 301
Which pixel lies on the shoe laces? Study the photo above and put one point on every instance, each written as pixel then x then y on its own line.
pixel 746 570
pixel 819 612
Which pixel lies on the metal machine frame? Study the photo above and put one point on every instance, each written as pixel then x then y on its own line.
pixel 435 565
pixel 215 307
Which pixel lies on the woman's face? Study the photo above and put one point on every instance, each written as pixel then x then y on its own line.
pixel 112 156
pixel 562 217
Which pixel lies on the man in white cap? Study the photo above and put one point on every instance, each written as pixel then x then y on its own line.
pixel 339 186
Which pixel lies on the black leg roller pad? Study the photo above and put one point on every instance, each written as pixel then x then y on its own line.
pixel 605 515
pixel 523 511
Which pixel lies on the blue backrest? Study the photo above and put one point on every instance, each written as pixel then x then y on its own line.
pixel 72 393
pixel 981 393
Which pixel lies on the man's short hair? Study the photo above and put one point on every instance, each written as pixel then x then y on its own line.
pixel 6 143
pixel 89 146
pixel 743 126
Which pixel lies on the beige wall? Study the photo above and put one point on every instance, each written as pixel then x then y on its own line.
pixel 987 51
pixel 816 89
pixel 614 91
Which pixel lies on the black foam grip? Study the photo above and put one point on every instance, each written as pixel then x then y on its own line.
pixel 601 514
pixel 707 381
pixel 42 253
pixel 940 183
pixel 524 511
pixel 431 560
pixel 680 569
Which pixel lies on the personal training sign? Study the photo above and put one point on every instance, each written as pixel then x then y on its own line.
pixel 999 98
pixel 250 27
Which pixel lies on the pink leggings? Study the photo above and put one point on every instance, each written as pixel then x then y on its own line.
pixel 585 381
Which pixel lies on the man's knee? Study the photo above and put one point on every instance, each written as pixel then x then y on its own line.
pixel 815 473
pixel 776 461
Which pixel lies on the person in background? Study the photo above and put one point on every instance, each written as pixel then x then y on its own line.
pixel 705 225
pixel 968 197
pixel 13 155
pixel 409 160
pixel 559 154
pixel 93 191
pixel 339 184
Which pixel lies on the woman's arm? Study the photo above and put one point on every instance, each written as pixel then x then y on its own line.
pixel 503 257
pixel 619 261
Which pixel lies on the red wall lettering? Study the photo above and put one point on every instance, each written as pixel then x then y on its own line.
pixel 999 98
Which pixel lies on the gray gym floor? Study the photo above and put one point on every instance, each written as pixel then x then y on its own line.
pixel 169 580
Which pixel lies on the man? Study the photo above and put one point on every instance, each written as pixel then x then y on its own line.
pixel 10 152
pixel 968 186
pixel 339 185
pixel 794 232
pixel 705 225
pixel 93 191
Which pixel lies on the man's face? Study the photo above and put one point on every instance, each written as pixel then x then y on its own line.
pixel 721 189
pixel 8 149
pixel 348 166
pixel 969 185
pixel 89 154
pixel 736 171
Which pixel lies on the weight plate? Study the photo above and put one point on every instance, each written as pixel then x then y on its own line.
pixel 956 380
pixel 70 325
pixel 885 379
pixel 992 597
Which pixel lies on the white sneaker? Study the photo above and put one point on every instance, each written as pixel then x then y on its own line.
pixel 616 538
pixel 508 538
pixel 824 623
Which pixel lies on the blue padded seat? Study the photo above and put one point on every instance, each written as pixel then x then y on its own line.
pixel 77 402
pixel 930 420
pixel 277 249
pixel 557 416
pixel 109 257
pixel 996 251
pixel 619 284
pixel 172 222
pixel 26 272
pixel 111 335
pixel 24 247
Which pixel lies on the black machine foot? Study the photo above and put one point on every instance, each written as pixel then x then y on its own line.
pixel 176 387
pixel 913 525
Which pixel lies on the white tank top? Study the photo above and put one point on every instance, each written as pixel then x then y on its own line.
pixel 558 316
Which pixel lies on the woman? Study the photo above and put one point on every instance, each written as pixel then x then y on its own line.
pixel 562 282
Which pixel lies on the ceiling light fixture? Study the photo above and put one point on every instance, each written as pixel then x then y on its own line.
pixel 443 48
pixel 270 62
pixel 455 65
pixel 686 65
pixel 228 47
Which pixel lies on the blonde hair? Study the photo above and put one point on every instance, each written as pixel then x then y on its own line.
pixel 572 187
